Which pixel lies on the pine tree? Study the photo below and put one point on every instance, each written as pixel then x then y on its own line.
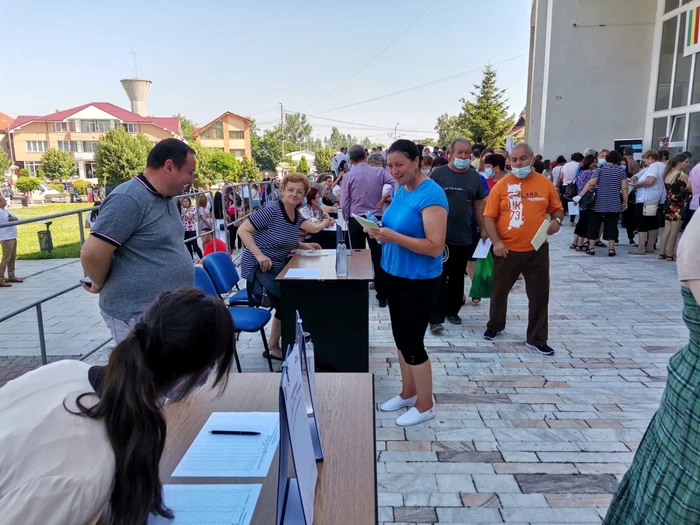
pixel 488 116
pixel 303 166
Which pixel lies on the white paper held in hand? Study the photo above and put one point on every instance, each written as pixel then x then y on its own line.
pixel 366 224
pixel 573 209
pixel 482 249
pixel 209 504
pixel 541 235
pixel 230 456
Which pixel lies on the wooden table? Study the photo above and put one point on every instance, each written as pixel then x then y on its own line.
pixel 334 310
pixel 346 491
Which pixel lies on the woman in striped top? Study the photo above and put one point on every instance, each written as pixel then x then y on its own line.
pixel 588 166
pixel 609 179
pixel 269 235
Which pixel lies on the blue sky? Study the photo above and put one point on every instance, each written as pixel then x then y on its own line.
pixel 244 56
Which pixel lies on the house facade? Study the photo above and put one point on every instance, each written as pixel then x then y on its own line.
pixel 228 132
pixel 77 130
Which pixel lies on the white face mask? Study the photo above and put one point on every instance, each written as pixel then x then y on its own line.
pixel 425 171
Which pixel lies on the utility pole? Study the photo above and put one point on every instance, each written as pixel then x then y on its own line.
pixel 282 128
pixel 395 136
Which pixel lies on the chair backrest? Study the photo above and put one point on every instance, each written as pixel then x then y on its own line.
pixel 203 282
pixel 222 271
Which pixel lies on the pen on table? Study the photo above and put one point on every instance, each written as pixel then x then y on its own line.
pixel 234 433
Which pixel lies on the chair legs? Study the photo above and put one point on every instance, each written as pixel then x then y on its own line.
pixel 235 355
pixel 267 350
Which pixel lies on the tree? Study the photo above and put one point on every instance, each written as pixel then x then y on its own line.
pixel 488 116
pixel 366 143
pixel 303 166
pixel 4 162
pixel 323 160
pixel 187 127
pixel 226 166
pixel 447 128
pixel 429 142
pixel 81 185
pixel 336 140
pixel 24 172
pixel 25 184
pixel 249 170
pixel 120 156
pixel 203 174
pixel 58 165
pixel 296 129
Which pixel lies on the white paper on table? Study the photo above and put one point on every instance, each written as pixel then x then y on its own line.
pixel 482 249
pixel 541 235
pixel 211 456
pixel 209 504
pixel 365 223
pixel 303 273
pixel 573 209
pixel 299 432
pixel 314 253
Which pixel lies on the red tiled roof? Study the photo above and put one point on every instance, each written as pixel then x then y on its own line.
pixel 5 121
pixel 170 123
pixel 199 129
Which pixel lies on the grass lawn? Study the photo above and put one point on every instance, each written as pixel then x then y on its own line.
pixel 64 231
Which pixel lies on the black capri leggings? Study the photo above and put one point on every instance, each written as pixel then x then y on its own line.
pixel 644 223
pixel 411 301
pixel 608 220
pixel 193 246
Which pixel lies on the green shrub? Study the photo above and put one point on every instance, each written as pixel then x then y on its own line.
pixel 81 185
pixel 58 187
pixel 24 172
pixel 25 184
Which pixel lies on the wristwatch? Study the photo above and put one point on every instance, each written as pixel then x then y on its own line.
pixel 559 221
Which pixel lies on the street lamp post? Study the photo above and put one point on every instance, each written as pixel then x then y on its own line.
pixel 395 136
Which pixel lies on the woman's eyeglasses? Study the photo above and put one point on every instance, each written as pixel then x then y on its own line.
pixel 290 191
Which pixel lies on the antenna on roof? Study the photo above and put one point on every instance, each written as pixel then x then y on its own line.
pixel 136 67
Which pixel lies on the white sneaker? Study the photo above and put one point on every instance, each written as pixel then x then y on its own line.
pixel 413 417
pixel 397 403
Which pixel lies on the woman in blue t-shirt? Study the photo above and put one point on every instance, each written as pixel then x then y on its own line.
pixel 413 240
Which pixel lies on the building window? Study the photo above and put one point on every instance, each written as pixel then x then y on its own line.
pixel 68 145
pixel 95 126
pixel 131 128
pixel 238 153
pixel 62 127
pixel 682 80
pixel 670 6
pixel 658 131
pixel 31 167
pixel 668 46
pixel 204 134
pixel 236 134
pixel 89 146
pixel 37 146
pixel 217 130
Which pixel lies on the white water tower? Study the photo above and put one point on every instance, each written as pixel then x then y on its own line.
pixel 137 90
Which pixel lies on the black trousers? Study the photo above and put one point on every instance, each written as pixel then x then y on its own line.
pixel 410 305
pixel 193 246
pixel 452 289
pixel 629 221
pixel 358 238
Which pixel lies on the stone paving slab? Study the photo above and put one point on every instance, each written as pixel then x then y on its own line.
pixel 518 437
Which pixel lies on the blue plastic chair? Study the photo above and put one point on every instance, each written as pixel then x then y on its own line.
pixel 245 319
pixel 225 277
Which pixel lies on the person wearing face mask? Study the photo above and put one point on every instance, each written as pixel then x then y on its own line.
pixel 602 157
pixel 515 210
pixel 465 192
pixel 426 164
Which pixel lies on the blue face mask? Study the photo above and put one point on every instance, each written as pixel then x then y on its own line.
pixel 521 173
pixel 488 173
pixel 602 162
pixel 462 164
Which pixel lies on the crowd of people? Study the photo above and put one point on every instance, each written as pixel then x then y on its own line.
pixel 105 423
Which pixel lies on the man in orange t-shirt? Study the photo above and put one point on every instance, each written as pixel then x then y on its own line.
pixel 515 210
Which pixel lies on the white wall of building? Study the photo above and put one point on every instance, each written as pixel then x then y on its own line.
pixel 589 84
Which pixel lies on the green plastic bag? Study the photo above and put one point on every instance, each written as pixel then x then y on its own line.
pixel 483 278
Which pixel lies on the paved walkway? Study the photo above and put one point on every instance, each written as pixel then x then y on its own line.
pixel 519 438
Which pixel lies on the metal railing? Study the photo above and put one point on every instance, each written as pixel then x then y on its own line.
pixel 246 191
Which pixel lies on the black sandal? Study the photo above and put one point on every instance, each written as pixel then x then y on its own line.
pixel 573 246
pixel 590 252
pixel 611 253
pixel 600 244
pixel 265 354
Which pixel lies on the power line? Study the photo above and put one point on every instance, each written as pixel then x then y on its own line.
pixel 438 81
pixel 264 111
pixel 369 125
pixel 376 56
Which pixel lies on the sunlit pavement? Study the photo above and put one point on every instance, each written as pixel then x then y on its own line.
pixel 518 438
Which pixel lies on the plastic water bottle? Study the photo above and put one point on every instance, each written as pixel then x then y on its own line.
pixel 340 217
pixel 341 260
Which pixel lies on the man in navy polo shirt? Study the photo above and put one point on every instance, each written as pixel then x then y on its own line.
pixel 135 250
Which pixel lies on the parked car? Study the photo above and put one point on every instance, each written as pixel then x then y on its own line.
pixel 46 193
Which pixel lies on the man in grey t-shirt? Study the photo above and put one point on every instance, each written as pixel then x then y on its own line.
pixel 135 250
pixel 465 194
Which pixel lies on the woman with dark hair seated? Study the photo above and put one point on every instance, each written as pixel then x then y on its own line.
pixel 77 440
